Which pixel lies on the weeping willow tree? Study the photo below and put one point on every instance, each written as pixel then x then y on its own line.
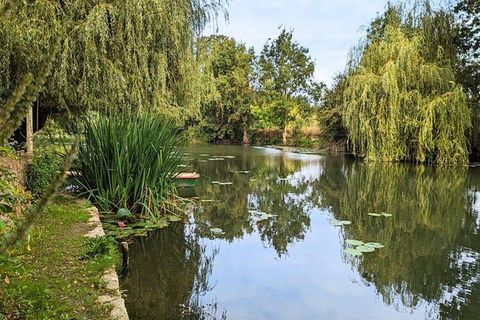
pixel 27 50
pixel 400 107
pixel 135 54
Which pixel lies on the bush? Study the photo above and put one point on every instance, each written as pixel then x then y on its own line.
pixel 129 161
pixel 267 137
pixel 42 170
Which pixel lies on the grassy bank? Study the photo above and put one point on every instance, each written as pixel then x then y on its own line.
pixel 56 274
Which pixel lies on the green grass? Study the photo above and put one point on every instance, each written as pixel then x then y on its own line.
pixel 60 276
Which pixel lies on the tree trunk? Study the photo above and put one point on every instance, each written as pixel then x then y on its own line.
pixel 29 129
pixel 246 139
pixel 285 135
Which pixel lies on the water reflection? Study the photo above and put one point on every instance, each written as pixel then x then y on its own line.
pixel 169 272
pixel 429 268
pixel 432 228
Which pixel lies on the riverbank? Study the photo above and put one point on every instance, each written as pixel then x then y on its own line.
pixel 58 273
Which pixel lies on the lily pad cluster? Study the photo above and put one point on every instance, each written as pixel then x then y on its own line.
pixel 381 214
pixel 217 231
pixel 218 158
pixel 260 216
pixel 339 223
pixel 359 247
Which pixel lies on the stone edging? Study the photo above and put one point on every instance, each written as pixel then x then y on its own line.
pixel 115 300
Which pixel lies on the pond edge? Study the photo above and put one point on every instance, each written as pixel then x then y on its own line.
pixel 114 299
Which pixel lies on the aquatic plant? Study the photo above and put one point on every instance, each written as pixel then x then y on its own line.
pixel 129 161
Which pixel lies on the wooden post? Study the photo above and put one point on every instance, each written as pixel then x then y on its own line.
pixel 29 129
pixel 124 249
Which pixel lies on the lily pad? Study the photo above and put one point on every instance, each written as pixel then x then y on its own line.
pixel 354 242
pixel 217 231
pixel 375 245
pixel 353 252
pixel 365 249
pixel 373 214
pixel 335 222
pixel 123 213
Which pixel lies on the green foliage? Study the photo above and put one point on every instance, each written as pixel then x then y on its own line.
pixel 136 53
pixel 330 114
pixel 129 161
pixel 28 45
pixel 123 213
pixel 468 69
pixel 42 170
pixel 7 152
pixel 400 107
pixel 52 136
pixel 100 246
pixel 227 68
pixel 285 80
pixel 12 194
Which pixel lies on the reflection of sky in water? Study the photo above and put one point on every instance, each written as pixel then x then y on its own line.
pixel 307 276
pixel 312 282
pixel 476 205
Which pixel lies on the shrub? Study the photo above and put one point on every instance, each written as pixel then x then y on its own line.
pixel 129 161
pixel 42 170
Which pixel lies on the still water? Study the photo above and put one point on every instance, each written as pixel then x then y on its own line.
pixel 293 265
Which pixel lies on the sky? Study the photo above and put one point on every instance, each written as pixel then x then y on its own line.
pixel 328 28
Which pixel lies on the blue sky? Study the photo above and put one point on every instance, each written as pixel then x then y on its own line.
pixel 329 28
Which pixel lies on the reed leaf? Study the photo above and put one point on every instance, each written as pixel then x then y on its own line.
pixel 129 161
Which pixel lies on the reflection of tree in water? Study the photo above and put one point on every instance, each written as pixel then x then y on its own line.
pixel 290 200
pixel 169 273
pixel 426 240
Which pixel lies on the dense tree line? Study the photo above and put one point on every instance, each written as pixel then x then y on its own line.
pixel 410 91
pixel 133 54
pixel 276 89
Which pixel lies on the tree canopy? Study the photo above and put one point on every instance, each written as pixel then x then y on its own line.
pixel 286 80
pixel 227 71
pixel 468 69
pixel 135 54
pixel 400 107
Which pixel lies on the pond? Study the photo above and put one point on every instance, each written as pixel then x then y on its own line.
pixel 280 253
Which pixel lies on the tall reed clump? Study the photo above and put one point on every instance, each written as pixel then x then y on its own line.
pixel 129 161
